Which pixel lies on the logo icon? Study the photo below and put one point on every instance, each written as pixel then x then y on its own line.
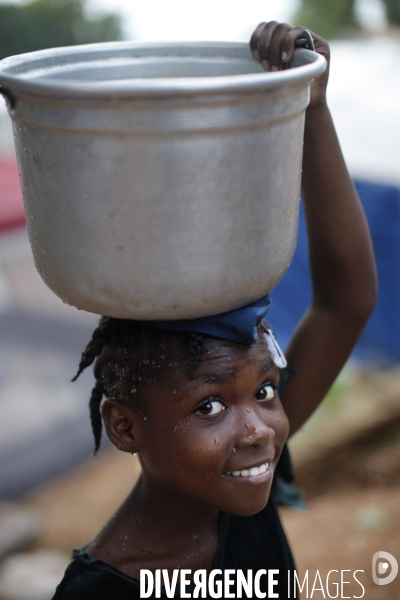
pixel 385 559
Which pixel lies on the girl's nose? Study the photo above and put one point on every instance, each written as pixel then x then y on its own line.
pixel 252 430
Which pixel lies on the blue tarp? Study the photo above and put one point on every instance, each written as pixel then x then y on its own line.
pixel 380 341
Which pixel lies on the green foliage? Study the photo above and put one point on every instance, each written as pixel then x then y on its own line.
pixel 328 18
pixel 52 23
pixel 393 11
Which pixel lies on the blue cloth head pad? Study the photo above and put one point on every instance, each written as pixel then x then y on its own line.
pixel 239 325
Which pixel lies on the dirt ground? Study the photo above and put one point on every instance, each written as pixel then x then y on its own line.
pixel 331 535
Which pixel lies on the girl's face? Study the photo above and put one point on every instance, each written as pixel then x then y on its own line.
pixel 216 439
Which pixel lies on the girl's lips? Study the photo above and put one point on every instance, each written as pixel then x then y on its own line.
pixel 254 475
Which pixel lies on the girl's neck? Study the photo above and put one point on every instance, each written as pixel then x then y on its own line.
pixel 156 504
pixel 157 529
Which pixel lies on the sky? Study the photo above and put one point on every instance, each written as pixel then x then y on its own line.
pixel 185 20
pixel 214 19
pixel 158 20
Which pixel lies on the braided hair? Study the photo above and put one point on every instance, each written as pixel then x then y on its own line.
pixel 130 355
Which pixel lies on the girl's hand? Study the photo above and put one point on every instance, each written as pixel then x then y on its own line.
pixel 272 44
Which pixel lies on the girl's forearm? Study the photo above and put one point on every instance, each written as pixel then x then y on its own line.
pixel 340 250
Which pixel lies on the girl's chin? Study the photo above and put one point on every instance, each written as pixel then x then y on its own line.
pixel 248 502
pixel 248 510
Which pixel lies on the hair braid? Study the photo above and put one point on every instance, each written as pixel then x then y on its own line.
pixel 94 347
pixel 130 355
pixel 95 414
pixel 195 348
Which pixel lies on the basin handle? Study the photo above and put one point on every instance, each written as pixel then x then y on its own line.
pixel 306 41
pixel 8 97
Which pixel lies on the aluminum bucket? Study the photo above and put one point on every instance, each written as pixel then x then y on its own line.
pixel 160 180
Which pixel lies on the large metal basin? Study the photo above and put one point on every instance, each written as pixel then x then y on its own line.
pixel 160 181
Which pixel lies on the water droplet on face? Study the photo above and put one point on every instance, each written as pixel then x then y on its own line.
pixel 234 450
pixel 107 555
pixel 133 390
pixel 247 425
pixel 247 410
pixel 144 418
pixel 175 429
pixel 216 442
pixel 174 391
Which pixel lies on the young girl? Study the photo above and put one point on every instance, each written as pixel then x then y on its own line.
pixel 201 406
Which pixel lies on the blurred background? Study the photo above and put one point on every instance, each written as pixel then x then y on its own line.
pixel 53 494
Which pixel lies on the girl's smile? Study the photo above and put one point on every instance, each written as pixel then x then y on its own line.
pixel 254 474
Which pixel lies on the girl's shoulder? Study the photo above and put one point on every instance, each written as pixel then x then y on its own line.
pixel 92 578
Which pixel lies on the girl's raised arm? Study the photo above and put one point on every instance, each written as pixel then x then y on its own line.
pixel 344 283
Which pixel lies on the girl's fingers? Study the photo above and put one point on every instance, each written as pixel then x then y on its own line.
pixel 275 49
pixel 254 41
pixel 288 42
pixel 264 43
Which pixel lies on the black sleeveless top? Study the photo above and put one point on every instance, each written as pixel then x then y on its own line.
pixel 256 542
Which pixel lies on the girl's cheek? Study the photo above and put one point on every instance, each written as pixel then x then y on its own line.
pixel 202 448
pixel 282 427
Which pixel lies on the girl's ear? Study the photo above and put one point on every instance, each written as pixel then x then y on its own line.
pixel 121 426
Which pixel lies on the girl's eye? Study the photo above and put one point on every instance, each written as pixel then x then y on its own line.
pixel 211 408
pixel 267 391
